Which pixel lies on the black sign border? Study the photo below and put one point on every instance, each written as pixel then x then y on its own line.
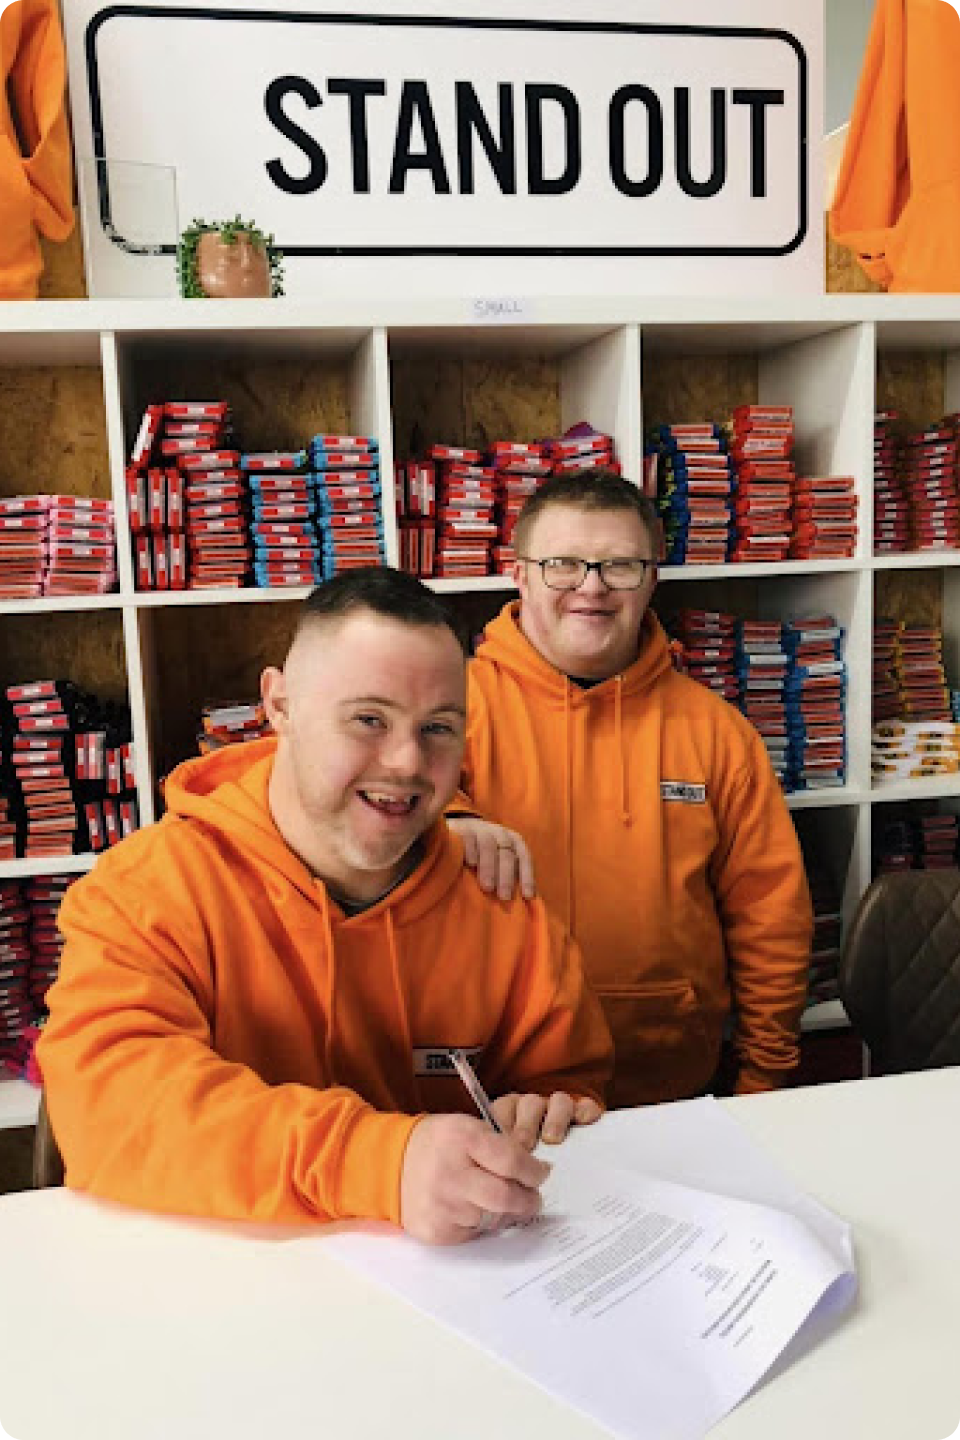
pixel 134 11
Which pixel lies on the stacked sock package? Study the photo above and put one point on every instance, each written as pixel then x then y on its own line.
pixel 232 723
pixel 187 499
pixel 928 842
pixel 708 650
pixel 789 680
pixel 457 509
pixel 466 503
pixel 919 673
pixel 929 476
pixel 913 749
pixel 815 694
pixel 16 1009
pixel 891 508
pixel 762 667
pixel 824 518
pixel 416 498
pixel 346 471
pixel 30 946
pixel 286 546
pixel 67 767
pixel 521 468
pixel 56 545
pixel 696 484
pixel 761 443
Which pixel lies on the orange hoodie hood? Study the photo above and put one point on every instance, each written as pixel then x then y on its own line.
pixel 505 644
pixel 506 647
pixel 227 793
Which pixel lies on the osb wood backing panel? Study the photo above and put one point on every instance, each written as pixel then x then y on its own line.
pixel 213 654
pixel 53 434
pixel 472 400
pixel 683 389
pixel 915 596
pixel 86 648
pixel 278 403
pixel 911 384
pixel 63 277
pixel 844 275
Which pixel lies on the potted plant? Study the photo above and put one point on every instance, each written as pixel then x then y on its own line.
pixel 228 260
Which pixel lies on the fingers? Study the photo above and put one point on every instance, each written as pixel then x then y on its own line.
pixel 558 1119
pixel 528 885
pixel 505 1110
pixel 499 857
pixel 459 1175
pixel 530 1118
pixel 530 1112
pixel 586 1111
pixel 502 1157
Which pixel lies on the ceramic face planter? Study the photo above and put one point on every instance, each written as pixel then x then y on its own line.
pixel 233 270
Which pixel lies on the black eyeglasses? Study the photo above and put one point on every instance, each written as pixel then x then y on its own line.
pixel 566 572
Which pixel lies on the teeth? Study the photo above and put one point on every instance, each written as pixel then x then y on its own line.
pixel 380 799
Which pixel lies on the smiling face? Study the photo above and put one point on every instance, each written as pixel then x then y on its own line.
pixel 370 716
pixel 591 633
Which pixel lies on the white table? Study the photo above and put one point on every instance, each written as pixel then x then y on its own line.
pixel 116 1325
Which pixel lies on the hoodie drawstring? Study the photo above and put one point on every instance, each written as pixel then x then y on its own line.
pixel 394 952
pixel 568 800
pixel 625 815
pixel 331 995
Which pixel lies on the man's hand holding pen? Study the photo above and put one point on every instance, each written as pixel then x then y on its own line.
pixel 462 1177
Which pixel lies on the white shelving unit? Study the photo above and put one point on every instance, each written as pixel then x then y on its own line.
pixel 821 356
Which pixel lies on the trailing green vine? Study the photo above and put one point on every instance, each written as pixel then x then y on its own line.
pixel 228 231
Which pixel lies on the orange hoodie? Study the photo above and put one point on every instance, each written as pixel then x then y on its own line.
pixel 897 201
pixel 661 840
pixel 36 172
pixel 223 1041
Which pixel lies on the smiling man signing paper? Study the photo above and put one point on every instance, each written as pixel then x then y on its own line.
pixel 258 995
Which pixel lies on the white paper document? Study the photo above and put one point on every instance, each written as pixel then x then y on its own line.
pixel 650 1306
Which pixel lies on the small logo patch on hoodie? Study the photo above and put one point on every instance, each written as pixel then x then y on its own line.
pixel 435 1059
pixel 684 791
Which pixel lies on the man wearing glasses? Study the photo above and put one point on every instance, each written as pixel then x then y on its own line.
pixel 651 815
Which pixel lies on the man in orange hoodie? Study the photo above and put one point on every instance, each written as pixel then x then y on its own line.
pixel 657 830
pixel 258 995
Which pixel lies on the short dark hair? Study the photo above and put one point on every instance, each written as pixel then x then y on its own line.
pixel 391 593
pixel 588 490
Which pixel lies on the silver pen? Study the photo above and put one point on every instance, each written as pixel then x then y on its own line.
pixel 478 1095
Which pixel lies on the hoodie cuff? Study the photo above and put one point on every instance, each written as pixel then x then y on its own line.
pixel 373 1165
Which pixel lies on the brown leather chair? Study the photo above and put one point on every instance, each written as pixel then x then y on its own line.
pixel 900 971
pixel 47 1160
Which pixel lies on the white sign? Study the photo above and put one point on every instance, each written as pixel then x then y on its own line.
pixel 646 147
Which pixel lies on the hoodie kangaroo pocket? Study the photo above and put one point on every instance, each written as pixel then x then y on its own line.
pixel 663 1051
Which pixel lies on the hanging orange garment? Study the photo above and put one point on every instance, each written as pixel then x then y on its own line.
pixel 897 202
pixel 36 172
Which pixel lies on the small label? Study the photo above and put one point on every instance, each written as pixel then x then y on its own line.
pixel 500 309
pixel 435 1059
pixel 683 791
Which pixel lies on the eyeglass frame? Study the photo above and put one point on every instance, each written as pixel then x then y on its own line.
pixel 588 566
